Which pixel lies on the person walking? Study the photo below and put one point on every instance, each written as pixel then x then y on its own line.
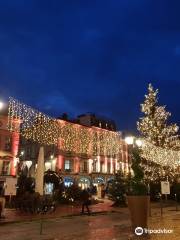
pixel 85 197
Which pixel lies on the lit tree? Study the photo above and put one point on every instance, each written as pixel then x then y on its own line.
pixel 154 125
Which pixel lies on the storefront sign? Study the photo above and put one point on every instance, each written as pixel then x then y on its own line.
pixel 10 186
pixel 165 187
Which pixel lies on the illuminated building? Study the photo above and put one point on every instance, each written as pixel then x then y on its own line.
pixel 85 160
pixel 9 144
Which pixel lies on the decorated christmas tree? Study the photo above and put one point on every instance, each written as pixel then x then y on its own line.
pixel 154 125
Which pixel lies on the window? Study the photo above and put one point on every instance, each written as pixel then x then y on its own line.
pixel 68 181
pixel 7 145
pixel 84 183
pixel 6 168
pixel 48 188
pixel 67 165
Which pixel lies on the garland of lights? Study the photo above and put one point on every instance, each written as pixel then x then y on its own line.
pixel 69 137
pixel 159 155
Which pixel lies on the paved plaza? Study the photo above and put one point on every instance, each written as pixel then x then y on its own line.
pixel 105 223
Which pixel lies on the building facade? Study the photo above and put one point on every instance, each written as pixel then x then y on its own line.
pixel 87 155
pixel 9 146
pixel 90 119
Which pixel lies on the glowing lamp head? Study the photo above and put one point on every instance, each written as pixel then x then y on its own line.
pixel 129 140
pixel 1 105
pixel 139 142
pixel 22 153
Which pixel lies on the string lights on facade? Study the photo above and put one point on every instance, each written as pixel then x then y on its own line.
pixel 69 137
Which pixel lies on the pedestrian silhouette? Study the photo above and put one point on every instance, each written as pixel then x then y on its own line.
pixel 85 198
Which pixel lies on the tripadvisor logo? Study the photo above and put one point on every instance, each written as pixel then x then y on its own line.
pixel 139 231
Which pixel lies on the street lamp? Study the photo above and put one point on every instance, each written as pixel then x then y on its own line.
pixel 129 140
pixel 139 142
pixel 1 105
pixel 132 142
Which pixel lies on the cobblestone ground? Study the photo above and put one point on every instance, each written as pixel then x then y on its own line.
pixel 107 226
pixel 13 215
pixel 170 221
pixel 99 226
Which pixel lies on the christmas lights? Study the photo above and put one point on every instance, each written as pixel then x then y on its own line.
pixel 160 143
pixel 153 125
pixel 69 137
pixel 159 155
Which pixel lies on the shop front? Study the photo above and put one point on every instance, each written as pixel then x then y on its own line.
pixel 84 182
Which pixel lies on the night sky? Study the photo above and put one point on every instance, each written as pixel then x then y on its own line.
pixel 78 56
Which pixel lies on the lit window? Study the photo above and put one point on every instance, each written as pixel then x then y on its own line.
pixel 48 188
pixel 68 181
pixel 67 165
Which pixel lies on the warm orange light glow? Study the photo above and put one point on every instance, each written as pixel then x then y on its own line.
pixel 77 164
pixel 1 105
pixel 60 162
pixel 15 146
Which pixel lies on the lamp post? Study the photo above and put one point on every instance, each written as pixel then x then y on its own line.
pixel 135 142
pixel 131 141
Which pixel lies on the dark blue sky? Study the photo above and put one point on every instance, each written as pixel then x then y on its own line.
pixel 79 56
